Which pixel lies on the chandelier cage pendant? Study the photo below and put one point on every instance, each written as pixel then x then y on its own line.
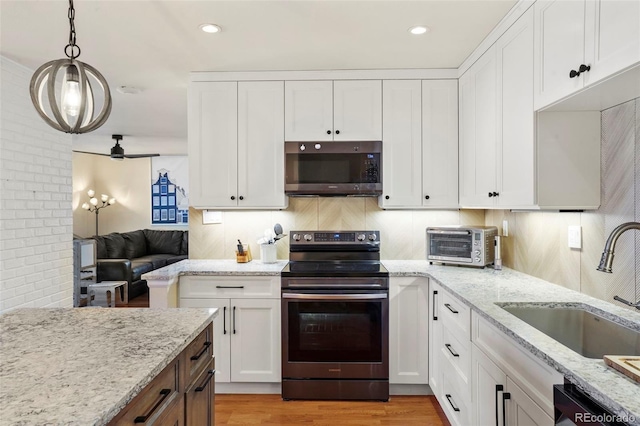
pixel 62 91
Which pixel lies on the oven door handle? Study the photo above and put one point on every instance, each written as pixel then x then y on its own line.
pixel 334 296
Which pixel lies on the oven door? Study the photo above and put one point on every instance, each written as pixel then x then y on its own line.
pixel 450 246
pixel 335 334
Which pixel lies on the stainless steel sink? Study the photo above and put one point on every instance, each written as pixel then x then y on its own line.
pixel 582 331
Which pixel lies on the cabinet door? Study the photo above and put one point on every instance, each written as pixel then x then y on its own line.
pixel 559 48
pixel 522 410
pixel 255 340
pixel 357 110
pixel 221 333
pixel 435 339
pixel 212 143
pixel 200 399
pixel 612 37
pixel 488 387
pixel 439 144
pixel 308 111
pixel 516 154
pixel 478 128
pixel 402 151
pixel 408 331
pixel 260 144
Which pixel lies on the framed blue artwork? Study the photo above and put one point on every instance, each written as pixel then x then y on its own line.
pixel 170 190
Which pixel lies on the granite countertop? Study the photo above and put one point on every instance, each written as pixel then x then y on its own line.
pixel 81 366
pixel 214 267
pixel 480 289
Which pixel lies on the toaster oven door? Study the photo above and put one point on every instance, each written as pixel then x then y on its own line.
pixel 450 246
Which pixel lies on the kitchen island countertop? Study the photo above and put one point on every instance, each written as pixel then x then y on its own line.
pixel 81 366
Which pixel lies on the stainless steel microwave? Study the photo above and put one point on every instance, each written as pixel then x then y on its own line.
pixel 462 245
pixel 333 168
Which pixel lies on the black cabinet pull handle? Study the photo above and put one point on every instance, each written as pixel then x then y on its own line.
pixel 456 409
pixel 164 393
pixel 205 346
pixel 448 346
pixel 224 320
pixel 505 396
pixel 202 387
pixel 234 320
pixel 233 197
pixel 241 198
pixel 229 286
pixel 496 194
pixel 583 68
pixel 499 388
pixel 328 132
pixel 426 197
pixel 386 197
pixel 450 308
pixel 337 132
pixel 435 293
pixel 490 194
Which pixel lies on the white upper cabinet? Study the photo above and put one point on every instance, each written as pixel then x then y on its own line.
pixel 420 144
pixel 212 143
pixel 343 110
pixel 401 144
pixel 439 144
pixel 308 110
pixel 579 43
pixel 236 145
pixel 261 144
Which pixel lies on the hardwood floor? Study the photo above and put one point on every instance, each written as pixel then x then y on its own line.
pixel 141 301
pixel 272 410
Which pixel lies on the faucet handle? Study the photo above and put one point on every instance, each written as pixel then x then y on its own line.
pixel 626 302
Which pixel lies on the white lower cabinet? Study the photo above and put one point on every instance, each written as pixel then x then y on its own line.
pixel 247 330
pixel 507 381
pixel 408 330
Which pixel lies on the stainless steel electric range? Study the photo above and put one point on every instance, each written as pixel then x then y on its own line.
pixel 335 317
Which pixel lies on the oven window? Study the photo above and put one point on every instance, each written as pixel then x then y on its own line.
pixel 332 168
pixel 335 331
pixel 451 245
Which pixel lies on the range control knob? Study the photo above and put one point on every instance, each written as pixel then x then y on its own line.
pixel 302 147
pixel 372 237
pixel 477 259
pixel 361 237
pixel 477 251
pixel 317 146
pixel 308 237
pixel 296 237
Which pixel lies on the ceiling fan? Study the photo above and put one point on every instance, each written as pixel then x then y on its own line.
pixel 117 152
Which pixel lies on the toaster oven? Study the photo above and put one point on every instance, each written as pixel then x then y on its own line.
pixel 462 245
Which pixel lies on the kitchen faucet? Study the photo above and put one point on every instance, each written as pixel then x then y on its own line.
pixel 607 254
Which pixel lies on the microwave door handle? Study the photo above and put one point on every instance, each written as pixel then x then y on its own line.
pixel 449 232
pixel 333 296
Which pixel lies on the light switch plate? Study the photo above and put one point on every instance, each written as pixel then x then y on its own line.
pixel 575 237
pixel 505 228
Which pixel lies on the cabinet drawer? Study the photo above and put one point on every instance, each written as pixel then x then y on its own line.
pixel 156 400
pixel 455 315
pixel 198 355
pixel 534 376
pixel 229 286
pixel 457 353
pixel 454 399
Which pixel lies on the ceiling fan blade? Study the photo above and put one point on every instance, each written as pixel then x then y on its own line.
pixel 94 153
pixel 141 155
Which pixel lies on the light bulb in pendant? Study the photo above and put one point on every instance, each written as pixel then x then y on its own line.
pixel 71 98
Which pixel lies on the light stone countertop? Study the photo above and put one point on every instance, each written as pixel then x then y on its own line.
pixel 480 289
pixel 81 366
pixel 214 267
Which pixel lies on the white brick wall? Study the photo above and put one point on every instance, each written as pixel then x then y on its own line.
pixel 36 221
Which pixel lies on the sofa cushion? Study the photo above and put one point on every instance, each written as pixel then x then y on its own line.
pixel 163 242
pixel 138 268
pixel 115 246
pixel 157 260
pixel 184 248
pixel 174 259
pixel 135 244
pixel 101 248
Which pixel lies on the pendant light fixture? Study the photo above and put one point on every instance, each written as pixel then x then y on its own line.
pixel 62 91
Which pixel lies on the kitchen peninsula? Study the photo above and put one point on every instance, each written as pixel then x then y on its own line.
pixel 83 366
pixel 481 291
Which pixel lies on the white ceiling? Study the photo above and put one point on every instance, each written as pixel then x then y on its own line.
pixel 154 44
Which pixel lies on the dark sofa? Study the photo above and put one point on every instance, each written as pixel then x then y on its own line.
pixel 126 256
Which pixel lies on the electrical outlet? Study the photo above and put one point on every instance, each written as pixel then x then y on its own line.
pixel 575 237
pixel 505 228
pixel 211 216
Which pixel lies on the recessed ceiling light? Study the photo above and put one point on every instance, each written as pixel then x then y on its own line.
pixel 418 30
pixel 210 28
